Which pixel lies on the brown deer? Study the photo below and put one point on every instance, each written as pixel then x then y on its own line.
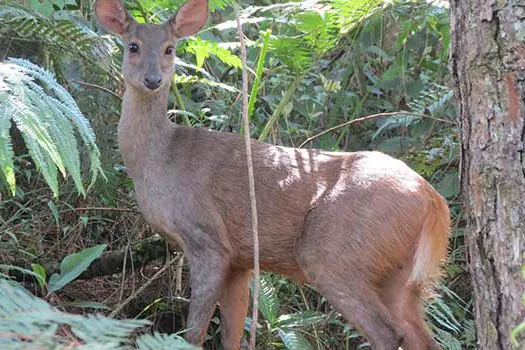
pixel 362 228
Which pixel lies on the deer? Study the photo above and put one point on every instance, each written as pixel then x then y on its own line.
pixel 362 228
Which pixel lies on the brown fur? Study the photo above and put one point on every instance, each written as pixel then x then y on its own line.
pixel 363 228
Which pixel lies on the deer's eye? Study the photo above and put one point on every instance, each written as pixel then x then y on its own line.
pixel 133 48
pixel 169 50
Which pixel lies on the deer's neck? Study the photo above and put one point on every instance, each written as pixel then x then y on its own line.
pixel 144 130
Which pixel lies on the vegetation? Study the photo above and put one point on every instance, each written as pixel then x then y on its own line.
pixel 342 75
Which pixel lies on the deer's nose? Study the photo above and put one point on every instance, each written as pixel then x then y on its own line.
pixel 152 80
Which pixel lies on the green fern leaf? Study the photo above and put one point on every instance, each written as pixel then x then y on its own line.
pixel 158 341
pixel 47 117
pixel 65 105
pixel 350 14
pixel 28 322
pixel 67 36
pixel 294 340
pixel 203 49
pixel 6 148
pixel 268 300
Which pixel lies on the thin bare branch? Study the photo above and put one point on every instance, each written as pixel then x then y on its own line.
pixel 253 201
pixel 374 116
pixel 101 88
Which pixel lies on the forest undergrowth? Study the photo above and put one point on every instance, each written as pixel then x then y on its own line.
pixel 319 70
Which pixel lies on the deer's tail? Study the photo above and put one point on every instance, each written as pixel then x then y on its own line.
pixel 432 247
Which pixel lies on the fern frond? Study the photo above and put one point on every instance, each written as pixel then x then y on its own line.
pixel 313 27
pixel 36 136
pixel 64 104
pixel 268 300
pixel 163 9
pixel 162 341
pixel 6 148
pixel 447 328
pixel 433 99
pixel 27 322
pixel 349 14
pixel 47 117
pixel 292 51
pixel 320 30
pixel 65 36
pixel 202 49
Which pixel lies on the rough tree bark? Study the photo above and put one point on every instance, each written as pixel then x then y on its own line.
pixel 488 68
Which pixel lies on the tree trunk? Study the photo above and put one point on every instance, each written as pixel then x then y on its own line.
pixel 488 69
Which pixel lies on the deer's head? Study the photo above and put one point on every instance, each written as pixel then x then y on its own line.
pixel 149 49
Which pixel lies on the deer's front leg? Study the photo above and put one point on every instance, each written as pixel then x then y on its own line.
pixel 207 275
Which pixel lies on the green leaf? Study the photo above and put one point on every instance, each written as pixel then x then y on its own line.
pixel 443 315
pixel 24 271
pixel 394 122
pixel 54 211
pixel 448 341
pixel 6 148
pixel 294 340
pixel 47 116
pixel 292 51
pixel 29 322
pixel 40 271
pixel 310 21
pixel 84 220
pixel 516 332
pixel 258 73
pixel 300 319
pixel 205 48
pixel 59 3
pixel 449 186
pixel 395 144
pixel 268 300
pixel 163 341
pixel 73 265
pixel 392 73
pixel 44 7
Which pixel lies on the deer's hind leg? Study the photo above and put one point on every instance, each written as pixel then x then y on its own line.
pixel 406 304
pixel 233 304
pixel 357 301
pixel 338 264
pixel 361 307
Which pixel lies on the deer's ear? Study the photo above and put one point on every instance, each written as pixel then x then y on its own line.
pixel 190 18
pixel 112 16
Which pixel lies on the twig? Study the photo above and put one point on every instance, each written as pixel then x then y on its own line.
pixel 374 116
pixel 102 209
pixel 89 209
pixel 178 276
pixel 94 209
pixel 123 278
pixel 253 201
pixel 144 286
pixel 95 86
pixel 41 217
